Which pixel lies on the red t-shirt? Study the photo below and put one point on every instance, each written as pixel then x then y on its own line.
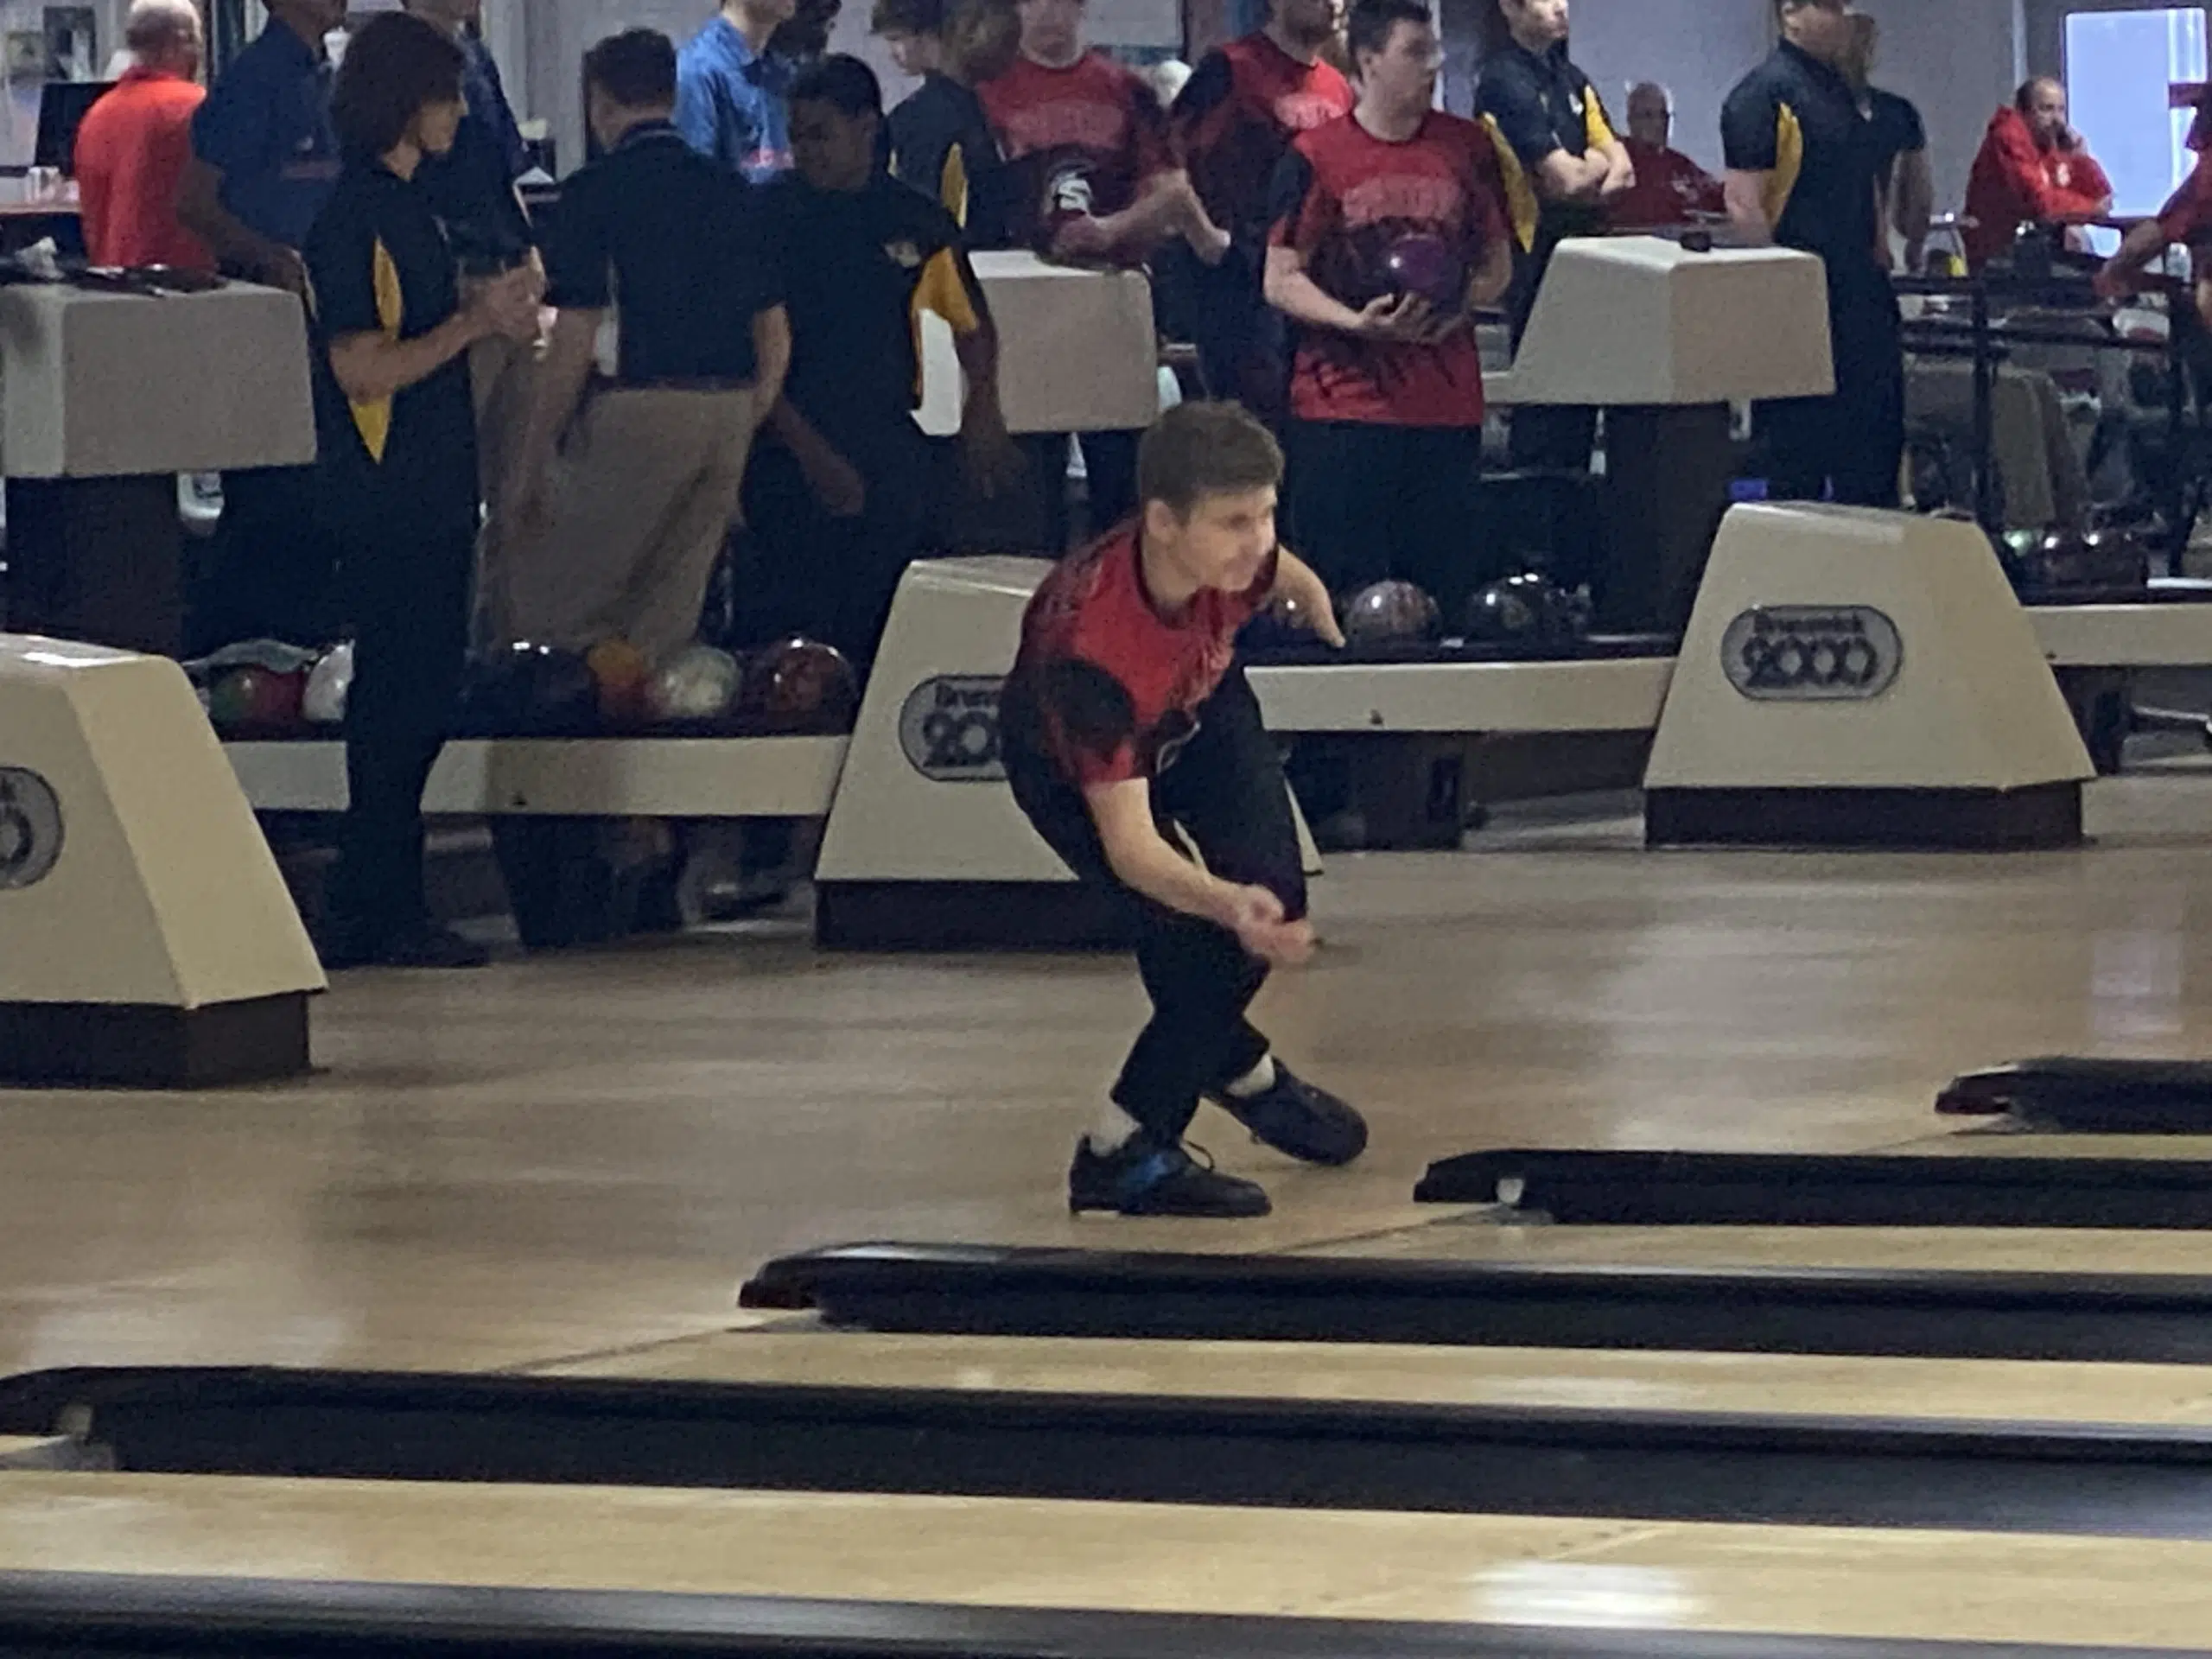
pixel 1084 139
pixel 2016 181
pixel 1669 187
pixel 1116 684
pixel 1343 198
pixel 131 152
pixel 1237 116
pixel 2187 214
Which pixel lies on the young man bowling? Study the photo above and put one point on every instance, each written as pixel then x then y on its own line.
pixel 1135 747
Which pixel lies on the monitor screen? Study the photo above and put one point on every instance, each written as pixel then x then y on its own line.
pixel 61 106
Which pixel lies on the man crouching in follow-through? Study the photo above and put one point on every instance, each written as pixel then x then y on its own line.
pixel 1135 746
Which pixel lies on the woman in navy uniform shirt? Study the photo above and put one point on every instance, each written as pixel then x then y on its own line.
pixel 397 435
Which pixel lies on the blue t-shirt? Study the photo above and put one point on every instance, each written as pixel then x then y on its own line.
pixel 733 105
pixel 265 127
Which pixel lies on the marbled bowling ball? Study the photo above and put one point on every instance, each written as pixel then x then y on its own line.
pixel 1390 612
pixel 800 678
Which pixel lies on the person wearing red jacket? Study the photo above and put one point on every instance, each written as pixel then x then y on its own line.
pixel 2033 168
pixel 1669 187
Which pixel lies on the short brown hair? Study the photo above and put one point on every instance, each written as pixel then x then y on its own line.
pixel 916 17
pixel 1196 450
pixel 396 67
pixel 636 69
pixel 982 39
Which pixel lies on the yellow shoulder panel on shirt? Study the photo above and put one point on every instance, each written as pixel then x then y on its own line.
pixel 1788 164
pixel 1521 206
pixel 372 419
pixel 952 185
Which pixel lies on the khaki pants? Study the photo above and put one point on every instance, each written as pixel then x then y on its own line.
pixel 639 503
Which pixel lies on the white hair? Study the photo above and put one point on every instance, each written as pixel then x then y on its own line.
pixel 155 27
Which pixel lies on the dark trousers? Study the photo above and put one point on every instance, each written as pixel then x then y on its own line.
pixel 273 565
pixel 1243 342
pixel 1371 502
pixel 1846 447
pixel 1109 465
pixel 803 570
pixel 407 594
pixel 1542 437
pixel 1224 792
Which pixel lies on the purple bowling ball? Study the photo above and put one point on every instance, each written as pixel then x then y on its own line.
pixel 1424 265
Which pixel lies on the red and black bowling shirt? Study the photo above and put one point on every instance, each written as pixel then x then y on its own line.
pixel 2187 216
pixel 1115 684
pixel 1342 197
pixel 1085 139
pixel 1237 116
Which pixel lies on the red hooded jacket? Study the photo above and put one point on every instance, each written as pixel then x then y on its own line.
pixel 2016 181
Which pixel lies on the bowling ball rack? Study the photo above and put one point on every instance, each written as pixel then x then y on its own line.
pixel 1737 1189
pixel 970 1289
pixel 105 1616
pixel 2064 1094
pixel 1597 648
pixel 2093 1480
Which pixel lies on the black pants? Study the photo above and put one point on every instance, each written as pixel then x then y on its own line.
pixel 273 564
pixel 1225 792
pixel 407 594
pixel 803 570
pixel 1369 502
pixel 1543 437
pixel 1109 465
pixel 1243 342
pixel 1849 446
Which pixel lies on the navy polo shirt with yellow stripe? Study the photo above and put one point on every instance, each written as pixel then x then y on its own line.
pixel 1797 120
pixel 1536 104
pixel 863 266
pixel 379 263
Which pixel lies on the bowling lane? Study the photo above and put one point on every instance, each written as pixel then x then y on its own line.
pixel 2008 1249
pixel 2006 1143
pixel 1572 1379
pixel 1506 1570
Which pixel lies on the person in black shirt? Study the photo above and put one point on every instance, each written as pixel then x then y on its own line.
pixel 1900 145
pixel 1802 164
pixel 941 140
pixel 472 190
pixel 613 531
pixel 398 463
pixel 1564 167
pixel 838 498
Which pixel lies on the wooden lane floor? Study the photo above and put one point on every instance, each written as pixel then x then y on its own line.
pixel 1462 1571
pixel 1776 1385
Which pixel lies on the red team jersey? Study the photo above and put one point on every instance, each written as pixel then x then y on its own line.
pixel 2188 213
pixel 1237 116
pixel 1116 684
pixel 1081 140
pixel 1342 197
pixel 1669 187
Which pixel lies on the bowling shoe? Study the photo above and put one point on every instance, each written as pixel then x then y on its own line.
pixel 1146 1178
pixel 1298 1120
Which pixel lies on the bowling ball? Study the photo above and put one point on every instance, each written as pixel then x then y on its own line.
pixel 257 699
pixel 620 670
pixel 801 678
pixel 529 689
pixel 1526 610
pixel 1425 266
pixel 329 681
pixel 1390 612
pixel 699 683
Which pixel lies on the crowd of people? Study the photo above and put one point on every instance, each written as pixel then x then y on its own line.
pixel 544 428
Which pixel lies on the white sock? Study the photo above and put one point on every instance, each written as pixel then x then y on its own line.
pixel 1257 1081
pixel 1112 1130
